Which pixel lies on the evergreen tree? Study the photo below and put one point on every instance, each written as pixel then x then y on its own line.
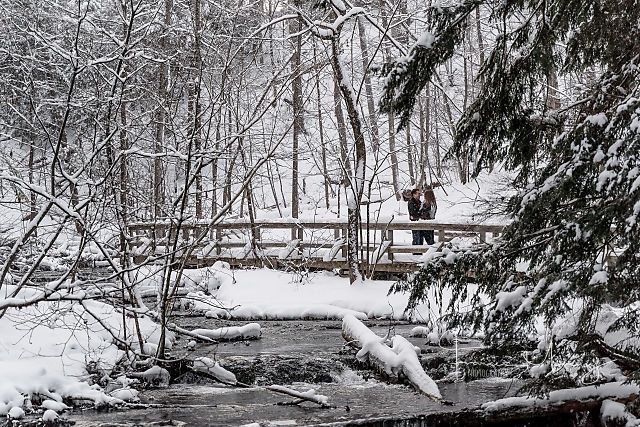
pixel 575 217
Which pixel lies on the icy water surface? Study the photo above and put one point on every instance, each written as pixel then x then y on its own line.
pixel 197 405
pixel 289 352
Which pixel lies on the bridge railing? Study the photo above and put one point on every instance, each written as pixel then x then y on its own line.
pixel 285 238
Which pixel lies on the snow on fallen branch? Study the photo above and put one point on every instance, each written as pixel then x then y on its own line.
pixel 211 369
pixel 309 395
pixel 607 398
pixel 399 361
pixel 616 391
pixel 250 331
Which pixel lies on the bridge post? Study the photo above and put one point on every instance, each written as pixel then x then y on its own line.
pixel 346 240
pixel 390 238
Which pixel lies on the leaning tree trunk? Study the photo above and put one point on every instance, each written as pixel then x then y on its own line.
pixel 354 194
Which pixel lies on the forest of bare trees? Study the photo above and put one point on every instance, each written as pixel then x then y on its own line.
pixel 134 111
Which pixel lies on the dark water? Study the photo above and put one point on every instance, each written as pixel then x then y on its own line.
pixel 354 399
pixel 290 351
pixel 301 337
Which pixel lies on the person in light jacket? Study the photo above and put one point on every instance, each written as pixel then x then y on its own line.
pixel 429 208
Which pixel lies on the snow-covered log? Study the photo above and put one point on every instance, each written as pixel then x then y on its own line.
pixel 309 395
pixel 250 331
pixel 560 403
pixel 559 408
pixel 211 369
pixel 399 362
pixel 204 365
pixel 177 329
pixel 616 391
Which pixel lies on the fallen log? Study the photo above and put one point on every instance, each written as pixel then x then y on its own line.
pixel 208 368
pixel 250 331
pixel 562 407
pixel 399 362
pixel 193 334
pixel 309 395
pixel 559 404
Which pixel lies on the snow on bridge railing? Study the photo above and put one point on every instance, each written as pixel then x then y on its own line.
pixel 293 223
pixel 321 242
pixel 386 227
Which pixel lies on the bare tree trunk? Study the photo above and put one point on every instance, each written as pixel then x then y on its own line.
pixel 391 119
pixel 323 148
pixel 479 31
pixel 465 64
pixel 214 174
pixel 463 159
pixel 436 146
pixel 161 117
pixel 373 118
pixel 342 133
pixel 124 176
pixel 427 130
pixel 357 187
pixel 255 238
pixel 33 211
pixel 393 156
pixel 294 28
pixel 423 144
pixel 553 101
pixel 194 100
pixel 412 173
pixel 271 179
pixel 229 165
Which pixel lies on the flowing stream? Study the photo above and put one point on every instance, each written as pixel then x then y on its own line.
pixel 301 355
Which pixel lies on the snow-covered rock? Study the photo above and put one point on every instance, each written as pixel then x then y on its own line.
pixel 49 416
pixel 155 375
pixel 125 394
pixel 16 413
pixel 54 405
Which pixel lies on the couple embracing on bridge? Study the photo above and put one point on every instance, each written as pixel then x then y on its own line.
pixel 422 210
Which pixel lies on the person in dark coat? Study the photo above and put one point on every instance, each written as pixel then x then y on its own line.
pixel 418 211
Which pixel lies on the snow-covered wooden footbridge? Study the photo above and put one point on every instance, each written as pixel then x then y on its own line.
pixel 291 243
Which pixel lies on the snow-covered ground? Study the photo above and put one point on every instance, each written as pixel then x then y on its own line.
pixel 58 350
pixel 272 294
